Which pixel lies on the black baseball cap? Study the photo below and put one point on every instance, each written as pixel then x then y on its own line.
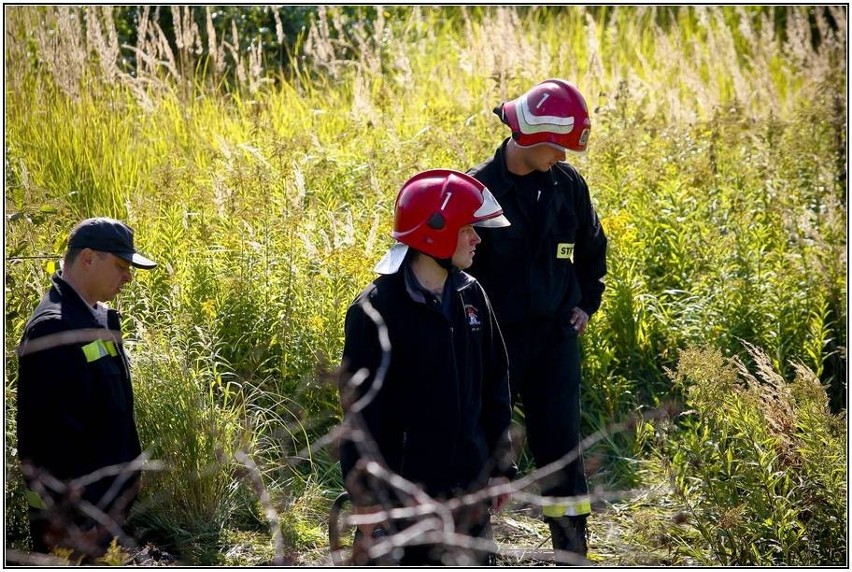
pixel 108 235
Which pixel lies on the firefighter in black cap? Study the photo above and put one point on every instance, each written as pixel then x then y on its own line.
pixel 77 436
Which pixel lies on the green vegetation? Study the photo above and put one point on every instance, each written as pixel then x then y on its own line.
pixel 259 169
pixel 759 463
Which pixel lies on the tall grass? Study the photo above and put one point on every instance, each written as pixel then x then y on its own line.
pixel 759 463
pixel 717 164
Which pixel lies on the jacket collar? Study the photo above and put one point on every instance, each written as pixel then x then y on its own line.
pixel 458 281
pixel 69 293
pixel 505 177
pixel 66 290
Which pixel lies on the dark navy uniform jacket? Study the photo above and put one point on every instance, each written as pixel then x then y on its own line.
pixel 75 401
pixel 443 411
pixel 553 257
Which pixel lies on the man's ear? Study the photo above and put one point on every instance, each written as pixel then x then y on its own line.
pixel 86 257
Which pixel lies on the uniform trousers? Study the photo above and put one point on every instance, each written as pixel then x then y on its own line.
pixel 544 373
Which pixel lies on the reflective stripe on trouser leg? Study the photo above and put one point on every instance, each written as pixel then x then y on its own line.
pixel 580 506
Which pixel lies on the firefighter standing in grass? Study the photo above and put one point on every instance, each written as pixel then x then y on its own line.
pixel 76 427
pixel 544 275
pixel 439 415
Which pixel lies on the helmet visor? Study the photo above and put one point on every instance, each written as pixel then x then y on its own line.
pixel 556 146
pixel 490 214
pixel 568 149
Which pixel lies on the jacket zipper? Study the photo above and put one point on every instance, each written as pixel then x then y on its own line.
pixel 402 463
pixel 458 389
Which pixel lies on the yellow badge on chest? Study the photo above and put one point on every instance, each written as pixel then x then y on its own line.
pixel 565 250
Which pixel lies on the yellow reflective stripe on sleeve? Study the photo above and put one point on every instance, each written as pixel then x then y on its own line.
pixel 95 351
pixel 69 337
pixel 110 348
pixel 33 499
pixel 582 505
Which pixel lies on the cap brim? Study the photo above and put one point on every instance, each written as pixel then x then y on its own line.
pixel 137 260
pixel 392 259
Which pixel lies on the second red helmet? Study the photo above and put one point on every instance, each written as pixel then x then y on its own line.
pixel 552 112
pixel 430 209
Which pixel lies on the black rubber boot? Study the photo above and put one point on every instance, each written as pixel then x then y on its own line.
pixel 569 533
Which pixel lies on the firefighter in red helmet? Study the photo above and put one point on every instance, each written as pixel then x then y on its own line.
pixel 553 112
pixel 544 275
pixel 428 401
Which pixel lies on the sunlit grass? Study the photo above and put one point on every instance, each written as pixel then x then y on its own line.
pixel 716 161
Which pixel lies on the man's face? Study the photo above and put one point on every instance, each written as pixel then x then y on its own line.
pixel 542 157
pixel 465 247
pixel 109 274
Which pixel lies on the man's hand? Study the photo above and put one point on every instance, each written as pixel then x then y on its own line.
pixel 367 529
pixel 364 540
pixel 499 501
pixel 578 320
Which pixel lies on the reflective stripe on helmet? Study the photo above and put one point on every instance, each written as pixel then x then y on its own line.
pixel 580 506
pixel 70 337
pixel 530 123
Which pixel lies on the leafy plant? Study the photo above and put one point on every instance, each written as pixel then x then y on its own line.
pixel 744 462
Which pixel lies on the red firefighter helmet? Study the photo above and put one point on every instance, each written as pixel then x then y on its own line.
pixel 430 209
pixel 552 112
